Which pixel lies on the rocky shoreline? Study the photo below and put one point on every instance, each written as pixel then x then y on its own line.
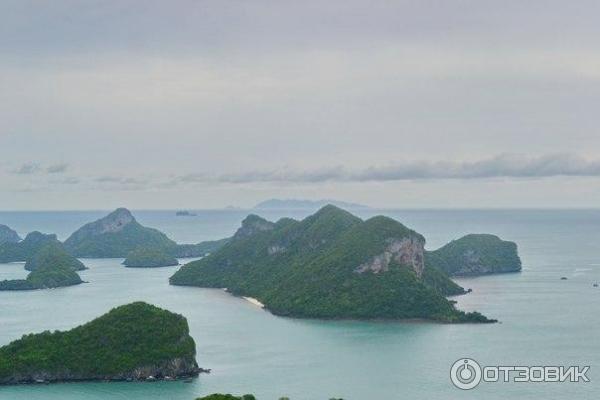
pixel 173 370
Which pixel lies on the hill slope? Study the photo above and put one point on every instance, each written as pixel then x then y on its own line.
pixel 25 249
pixel 53 255
pixel 133 341
pixel 8 235
pixel 115 235
pixel 476 254
pixel 329 265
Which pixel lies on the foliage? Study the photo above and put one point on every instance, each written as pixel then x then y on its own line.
pixel 118 244
pixel 219 396
pixel 127 337
pixel 474 255
pixel 199 249
pixel 53 255
pixel 23 250
pixel 148 258
pixel 308 269
pixel 45 277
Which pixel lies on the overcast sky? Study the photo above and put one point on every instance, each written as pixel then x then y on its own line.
pixel 202 104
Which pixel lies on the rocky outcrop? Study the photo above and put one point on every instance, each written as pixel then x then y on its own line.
pixel 168 369
pixel 8 235
pixel 251 225
pixel 407 251
pixel 114 222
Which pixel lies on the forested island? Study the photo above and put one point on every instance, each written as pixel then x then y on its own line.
pixel 149 258
pixel 331 265
pixel 22 250
pixel 137 341
pixel 475 254
pixel 51 267
pixel 119 233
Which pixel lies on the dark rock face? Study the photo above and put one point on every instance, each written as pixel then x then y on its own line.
pixel 102 350
pixel 8 235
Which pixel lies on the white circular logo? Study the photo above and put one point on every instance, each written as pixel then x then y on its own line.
pixel 465 374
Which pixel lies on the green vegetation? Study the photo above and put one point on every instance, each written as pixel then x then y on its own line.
pixel 149 258
pixel 200 249
pixel 475 255
pixel 134 341
pixel 118 234
pixel 53 255
pixel 330 265
pixel 114 236
pixel 44 277
pixel 219 396
pixel 23 250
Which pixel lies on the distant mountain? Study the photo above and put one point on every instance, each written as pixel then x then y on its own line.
pixel 8 235
pixel 115 235
pixel 118 234
pixel 476 254
pixel 333 265
pixel 292 204
pixel 23 250
pixel 137 341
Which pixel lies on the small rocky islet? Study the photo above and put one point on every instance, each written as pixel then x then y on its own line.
pixel 102 350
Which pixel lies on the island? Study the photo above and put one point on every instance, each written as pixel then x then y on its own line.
pixel 330 265
pixel 23 250
pixel 119 233
pixel 137 341
pixel 476 254
pixel 149 258
pixel 52 255
pixel 220 396
pixel 185 213
pixel 7 235
pixel 45 277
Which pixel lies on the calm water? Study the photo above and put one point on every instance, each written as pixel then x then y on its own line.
pixel 544 320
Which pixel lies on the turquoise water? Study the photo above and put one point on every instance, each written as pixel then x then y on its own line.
pixel 544 320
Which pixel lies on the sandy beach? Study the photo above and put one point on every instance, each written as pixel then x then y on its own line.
pixel 254 301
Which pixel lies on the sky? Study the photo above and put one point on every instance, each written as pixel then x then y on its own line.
pixel 392 104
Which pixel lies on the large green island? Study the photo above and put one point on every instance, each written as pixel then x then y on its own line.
pixel 137 341
pixel 331 265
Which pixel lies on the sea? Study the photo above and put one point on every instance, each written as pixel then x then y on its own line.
pixel 543 320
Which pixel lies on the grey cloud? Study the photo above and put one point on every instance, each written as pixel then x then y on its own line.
pixel 28 169
pixel 57 168
pixel 501 166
